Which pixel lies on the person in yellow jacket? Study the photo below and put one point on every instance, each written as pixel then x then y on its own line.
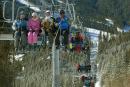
pixel 47 24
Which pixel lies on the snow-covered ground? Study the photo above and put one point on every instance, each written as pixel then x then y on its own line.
pixel 94 36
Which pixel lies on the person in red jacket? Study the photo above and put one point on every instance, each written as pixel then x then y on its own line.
pixel 87 81
pixel 79 42
pixel 79 37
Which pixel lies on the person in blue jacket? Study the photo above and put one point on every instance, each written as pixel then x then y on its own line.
pixel 63 24
pixel 20 35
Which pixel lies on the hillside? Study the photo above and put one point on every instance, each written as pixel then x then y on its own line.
pixel 114 62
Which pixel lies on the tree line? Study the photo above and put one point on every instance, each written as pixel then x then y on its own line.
pixel 117 10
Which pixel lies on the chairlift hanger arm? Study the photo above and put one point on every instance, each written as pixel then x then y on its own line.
pixel 13 8
pixel 4 5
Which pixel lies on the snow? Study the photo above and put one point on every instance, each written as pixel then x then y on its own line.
pixel 109 21
pixel 18 57
pixel 98 84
